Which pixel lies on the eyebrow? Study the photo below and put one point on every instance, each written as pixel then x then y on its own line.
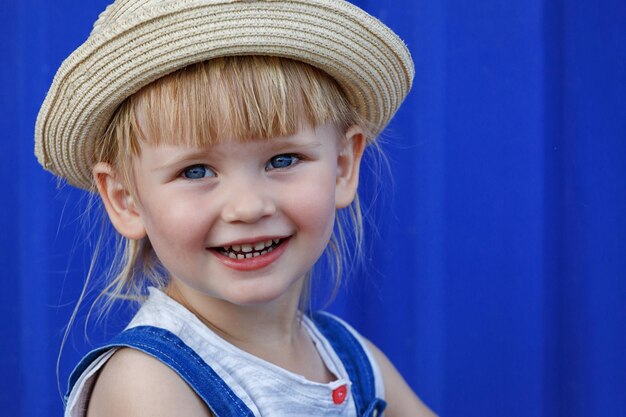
pixel 278 145
pixel 182 160
pixel 282 145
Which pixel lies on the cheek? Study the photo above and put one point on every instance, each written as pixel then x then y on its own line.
pixel 313 203
pixel 173 226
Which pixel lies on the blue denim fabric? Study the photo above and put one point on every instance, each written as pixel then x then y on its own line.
pixel 172 351
pixel 169 349
pixel 356 362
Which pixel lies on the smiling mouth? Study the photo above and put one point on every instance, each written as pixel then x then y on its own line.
pixel 249 250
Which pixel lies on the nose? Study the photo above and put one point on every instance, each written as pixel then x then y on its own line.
pixel 248 204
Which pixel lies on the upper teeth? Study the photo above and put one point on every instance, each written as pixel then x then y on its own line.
pixel 249 247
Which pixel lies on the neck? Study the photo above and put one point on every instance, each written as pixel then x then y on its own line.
pixel 269 324
pixel 271 331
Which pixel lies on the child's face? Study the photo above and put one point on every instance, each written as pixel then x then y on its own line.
pixel 244 221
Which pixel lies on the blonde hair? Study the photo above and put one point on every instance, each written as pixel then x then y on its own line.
pixel 242 97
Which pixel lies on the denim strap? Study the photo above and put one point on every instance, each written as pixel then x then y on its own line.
pixel 356 362
pixel 172 351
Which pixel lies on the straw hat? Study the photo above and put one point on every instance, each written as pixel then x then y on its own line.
pixel 135 42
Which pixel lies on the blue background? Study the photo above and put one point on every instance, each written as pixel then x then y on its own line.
pixel 496 281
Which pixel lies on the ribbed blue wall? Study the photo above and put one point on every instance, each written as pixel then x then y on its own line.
pixel 497 281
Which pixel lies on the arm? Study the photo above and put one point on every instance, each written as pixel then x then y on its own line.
pixel 401 400
pixel 133 384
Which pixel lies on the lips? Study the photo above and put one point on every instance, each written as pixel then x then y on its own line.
pixel 253 255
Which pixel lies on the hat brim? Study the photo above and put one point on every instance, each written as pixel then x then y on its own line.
pixel 371 64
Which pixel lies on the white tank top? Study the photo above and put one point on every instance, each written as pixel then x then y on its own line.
pixel 266 389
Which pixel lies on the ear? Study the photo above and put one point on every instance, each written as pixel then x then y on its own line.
pixel 118 202
pixel 351 148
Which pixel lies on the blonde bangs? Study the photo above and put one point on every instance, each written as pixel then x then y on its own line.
pixel 242 97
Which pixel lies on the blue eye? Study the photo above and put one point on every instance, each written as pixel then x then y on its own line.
pixel 281 161
pixel 197 172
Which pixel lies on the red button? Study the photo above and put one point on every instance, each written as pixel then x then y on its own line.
pixel 339 394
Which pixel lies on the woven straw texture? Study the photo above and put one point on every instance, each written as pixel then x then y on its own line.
pixel 135 42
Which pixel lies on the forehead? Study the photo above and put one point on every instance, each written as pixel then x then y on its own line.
pixel 305 139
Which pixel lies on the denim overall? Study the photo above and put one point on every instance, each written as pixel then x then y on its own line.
pixel 221 400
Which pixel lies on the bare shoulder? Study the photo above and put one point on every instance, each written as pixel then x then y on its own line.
pixel 134 384
pixel 401 400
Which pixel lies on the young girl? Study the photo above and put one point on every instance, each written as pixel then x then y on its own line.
pixel 223 138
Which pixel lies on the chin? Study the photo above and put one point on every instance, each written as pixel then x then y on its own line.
pixel 258 295
pixel 253 300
